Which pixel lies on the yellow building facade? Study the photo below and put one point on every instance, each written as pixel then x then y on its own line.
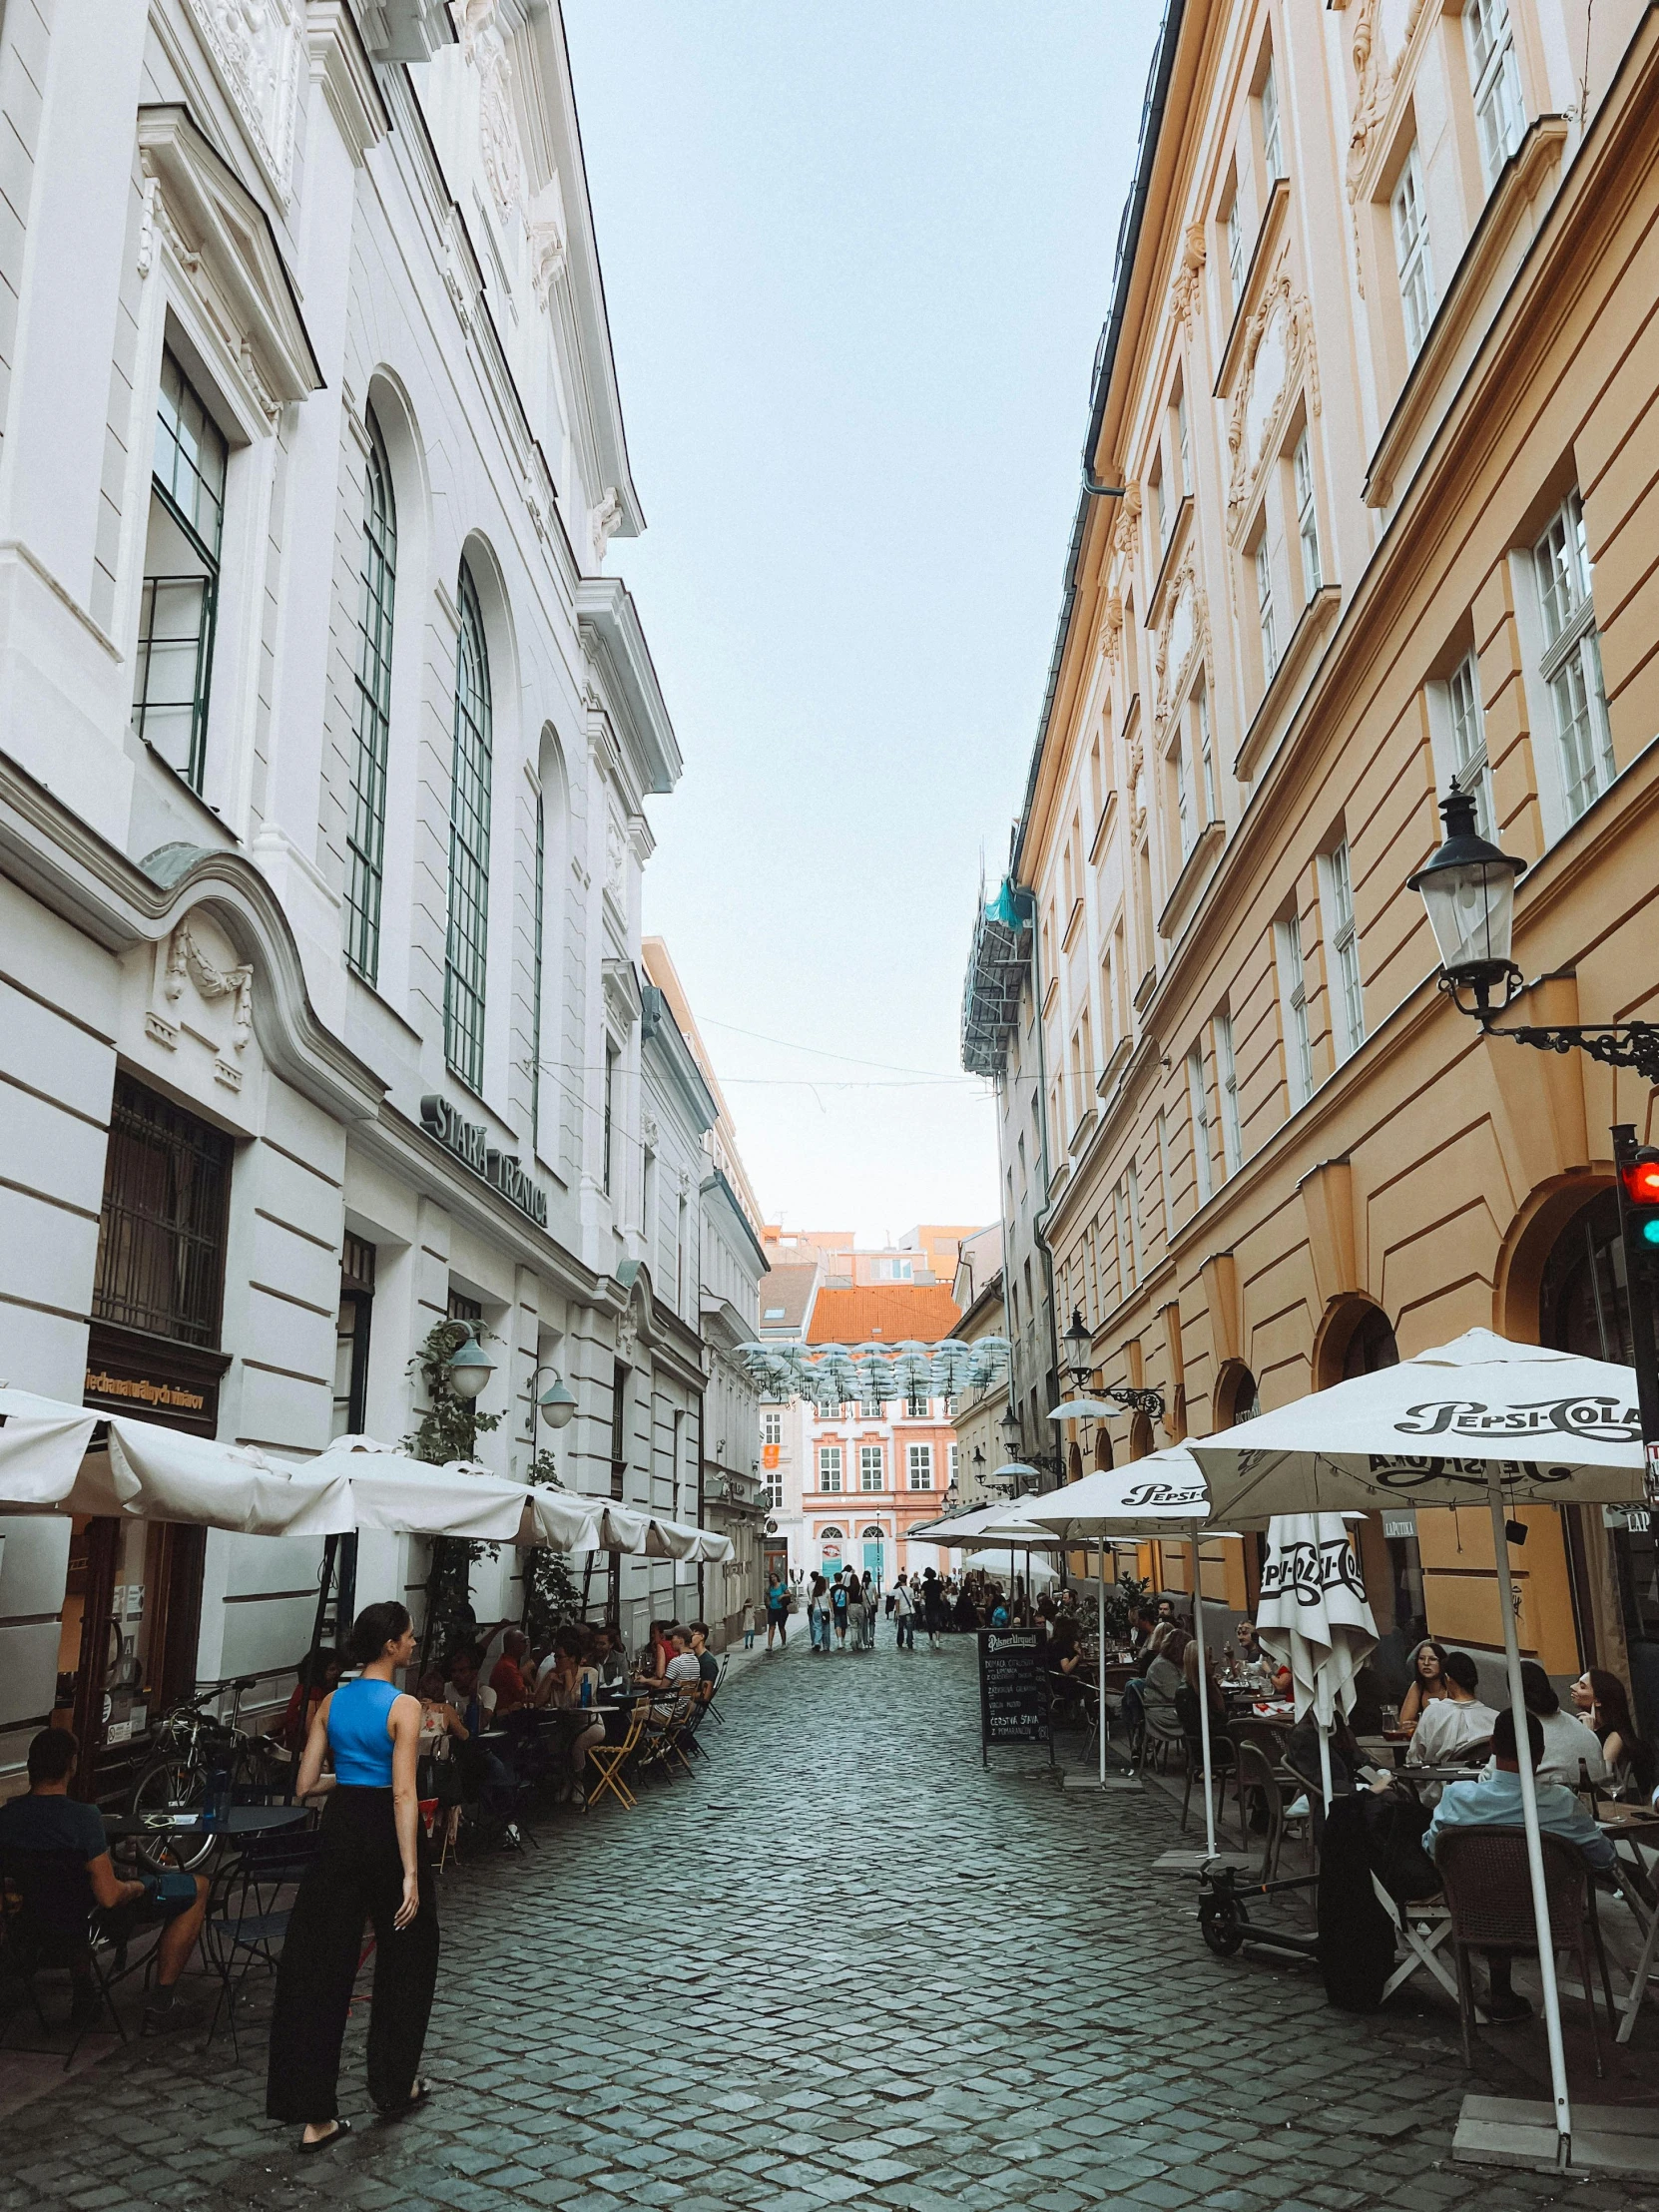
pixel 1377 391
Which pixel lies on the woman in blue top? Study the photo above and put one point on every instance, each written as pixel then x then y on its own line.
pixel 372 1864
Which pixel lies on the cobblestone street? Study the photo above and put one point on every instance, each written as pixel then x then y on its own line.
pixel 845 1966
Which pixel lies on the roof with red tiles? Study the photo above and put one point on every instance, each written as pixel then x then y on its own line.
pixel 888 1311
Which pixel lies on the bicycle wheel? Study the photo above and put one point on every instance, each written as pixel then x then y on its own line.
pixel 172 1784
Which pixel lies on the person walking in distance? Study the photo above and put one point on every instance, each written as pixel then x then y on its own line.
pixel 372 1864
pixel 932 1607
pixel 854 1612
pixel 838 1610
pixel 904 1616
pixel 777 1608
pixel 818 1614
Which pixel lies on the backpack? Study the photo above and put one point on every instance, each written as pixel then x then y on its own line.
pixel 838 1597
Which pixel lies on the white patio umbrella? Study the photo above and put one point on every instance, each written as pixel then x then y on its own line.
pixel 1439 1429
pixel 1153 1498
pixel 1313 1616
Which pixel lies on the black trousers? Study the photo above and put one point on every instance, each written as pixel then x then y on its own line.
pixel 357 1876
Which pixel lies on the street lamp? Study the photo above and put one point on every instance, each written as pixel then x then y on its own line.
pixel 1468 889
pixel 1080 1366
pixel 556 1404
pixel 470 1367
pixel 1079 1343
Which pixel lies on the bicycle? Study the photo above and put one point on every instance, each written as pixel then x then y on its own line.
pixel 190 1745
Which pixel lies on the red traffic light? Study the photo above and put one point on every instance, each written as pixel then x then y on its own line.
pixel 1641 1178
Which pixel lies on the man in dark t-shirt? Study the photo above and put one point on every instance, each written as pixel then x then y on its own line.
pixel 707 1666
pixel 49 1819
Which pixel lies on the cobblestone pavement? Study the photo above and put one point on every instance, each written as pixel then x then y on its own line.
pixel 846 1966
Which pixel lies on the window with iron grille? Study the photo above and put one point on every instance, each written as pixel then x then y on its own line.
pixel 161 1233
pixel 366 836
pixel 466 947
pixel 538 897
pixel 178 608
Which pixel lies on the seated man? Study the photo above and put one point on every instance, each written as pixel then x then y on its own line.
pixel 49 1819
pixel 682 1677
pixel 610 1659
pixel 1494 1800
pixel 1451 1725
pixel 507 1675
pixel 707 1666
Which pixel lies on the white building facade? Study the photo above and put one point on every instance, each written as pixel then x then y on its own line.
pixel 324 742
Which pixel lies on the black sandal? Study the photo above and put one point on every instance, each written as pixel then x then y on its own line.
pixel 324 2142
pixel 420 2089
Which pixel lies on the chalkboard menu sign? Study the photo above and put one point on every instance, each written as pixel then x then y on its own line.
pixel 1013 1690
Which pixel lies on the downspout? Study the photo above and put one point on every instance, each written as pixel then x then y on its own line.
pixel 1040 1212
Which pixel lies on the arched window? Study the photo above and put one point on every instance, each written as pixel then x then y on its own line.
pixel 1583 1300
pixel 1102 1449
pixel 366 836
pixel 1236 1398
pixel 538 897
pixel 466 947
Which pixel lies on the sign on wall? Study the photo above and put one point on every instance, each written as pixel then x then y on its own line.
pixel 469 1142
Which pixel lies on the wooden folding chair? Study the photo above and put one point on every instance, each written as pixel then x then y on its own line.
pixel 611 1759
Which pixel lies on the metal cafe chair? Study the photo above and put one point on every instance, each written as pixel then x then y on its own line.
pixel 49 1920
pixel 247 1914
pixel 1489 1893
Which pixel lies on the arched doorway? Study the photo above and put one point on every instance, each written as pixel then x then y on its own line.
pixel 1236 1398
pixel 1140 1437
pixel 832 1551
pixel 1584 1306
pixel 874 1543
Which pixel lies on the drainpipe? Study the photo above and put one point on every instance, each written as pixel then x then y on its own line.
pixel 1042 1244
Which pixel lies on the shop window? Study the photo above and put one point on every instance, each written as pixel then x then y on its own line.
pixel 161 1233
pixel 467 932
pixel 351 1333
pixel 366 836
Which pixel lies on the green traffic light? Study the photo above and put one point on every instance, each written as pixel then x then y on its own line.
pixel 1648 1230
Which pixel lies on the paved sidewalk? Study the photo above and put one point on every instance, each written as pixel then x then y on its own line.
pixel 846 1966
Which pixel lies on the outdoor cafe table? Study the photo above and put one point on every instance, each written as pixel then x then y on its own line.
pixel 1633 1825
pixel 240 1819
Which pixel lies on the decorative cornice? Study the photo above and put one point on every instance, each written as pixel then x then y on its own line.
pixel 341 65
pixel 1280 298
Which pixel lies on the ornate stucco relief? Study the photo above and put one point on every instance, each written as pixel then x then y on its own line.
pixel 1189 277
pixel 1278 361
pixel 258 52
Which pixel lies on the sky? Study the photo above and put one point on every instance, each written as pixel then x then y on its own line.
pixel 856 258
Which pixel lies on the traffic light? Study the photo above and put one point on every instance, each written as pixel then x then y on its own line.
pixel 1639 1176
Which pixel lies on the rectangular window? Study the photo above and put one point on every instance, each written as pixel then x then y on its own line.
pixel 1263 607
pixel 1417 274
pixel 1127 1272
pixel 1306 521
pixel 772 1426
pixel 895 1271
pixel 1293 998
pixel 610 1110
pixel 1183 792
pixel 466 947
pixel 1165 509
pixel 869 1466
pixel 180 604
pixel 1235 247
pixel 1227 1082
pixel 161 1230
pixel 1469 738
pixel 916 1406
pixel 771 1490
pixel 921 1466
pixel 1166 1187
pixel 1137 1248
pixel 620 1375
pixel 1206 754
pixel 1349 1005
pixel 1183 442
pixel 1198 1105
pixel 956 1463
pixel 1273 151
pixel 349 1416
pixel 870 1409
pixel 1495 76
pixel 681 1256
pixel 1572 657
pixel 830 1466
